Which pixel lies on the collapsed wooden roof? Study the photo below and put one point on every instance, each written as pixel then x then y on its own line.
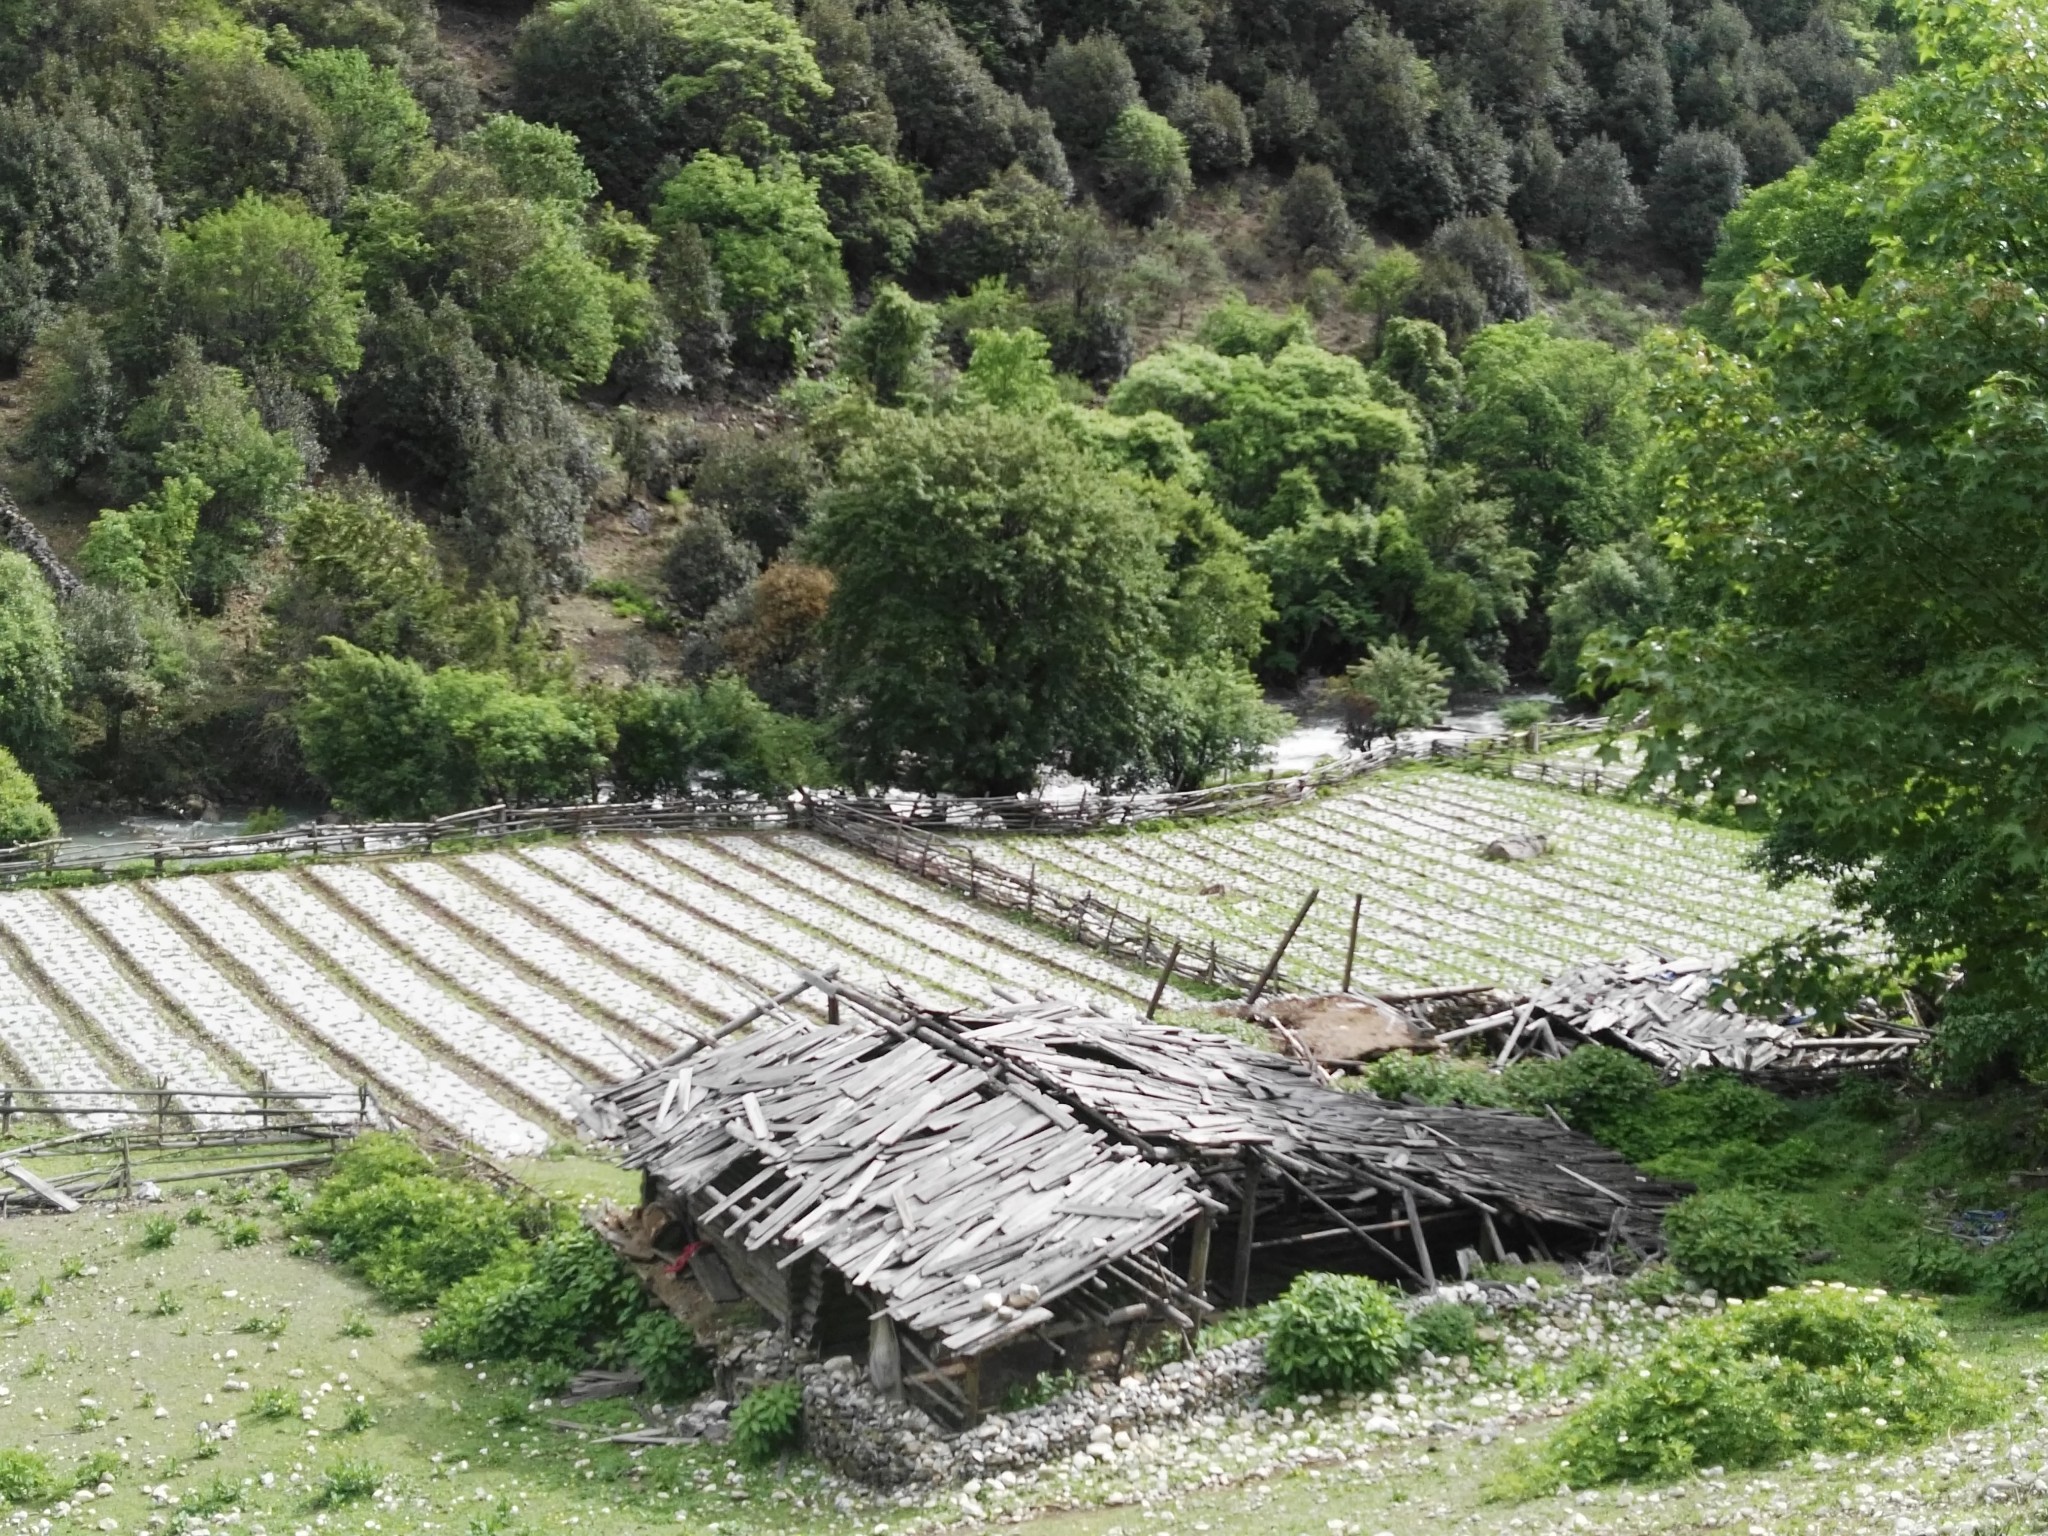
pixel 1662 1009
pixel 978 1173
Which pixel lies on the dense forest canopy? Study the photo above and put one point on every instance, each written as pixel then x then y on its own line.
pixel 1015 385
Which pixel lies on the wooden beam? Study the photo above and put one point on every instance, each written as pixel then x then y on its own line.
pixel 1198 1254
pixel 1421 1242
pixel 1280 949
pixel 1164 977
pixel 37 1186
pixel 1351 949
pixel 1241 1272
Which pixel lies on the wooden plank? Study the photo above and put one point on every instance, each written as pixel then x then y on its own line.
pixel 37 1186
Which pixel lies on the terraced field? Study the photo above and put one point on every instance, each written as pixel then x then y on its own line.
pixel 486 993
pixel 1435 913
pixel 483 994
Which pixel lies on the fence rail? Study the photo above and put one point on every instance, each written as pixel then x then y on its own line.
pixel 718 813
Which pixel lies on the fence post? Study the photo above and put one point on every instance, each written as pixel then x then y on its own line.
pixel 263 1098
pixel 362 1106
pixel 6 1111
pixel 163 1107
pixel 1351 949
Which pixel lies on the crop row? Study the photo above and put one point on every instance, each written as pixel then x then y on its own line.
pixel 1435 911
pixel 488 993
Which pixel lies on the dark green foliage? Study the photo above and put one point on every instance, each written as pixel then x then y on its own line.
pixel 1731 1241
pixel 764 487
pixel 1446 1329
pixel 874 205
pixel 240 126
pixel 1212 120
pixel 1619 590
pixel 1310 218
pixel 1596 208
pixel 1488 250
pixel 2018 1270
pixel 1699 179
pixel 1394 688
pixel 1335 1333
pixel 1821 1368
pixel 158 1233
pixel 1937 1263
pixel 548 1302
pixel 889 348
pixel 1004 230
pixel 716 736
pixel 767 1422
pixel 706 564
pixel 1086 86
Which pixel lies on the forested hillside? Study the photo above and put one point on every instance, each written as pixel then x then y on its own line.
pixel 962 390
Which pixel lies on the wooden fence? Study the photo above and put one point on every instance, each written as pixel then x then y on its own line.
pixel 1086 812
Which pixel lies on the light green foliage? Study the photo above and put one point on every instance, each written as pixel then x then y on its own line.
pixel 889 348
pixel 1306 409
pixel 267 284
pixel 747 79
pixel 31 662
pixel 150 543
pixel 1606 597
pixel 1239 328
pixel 365 571
pixel 1009 371
pixel 1822 1368
pixel 1396 687
pixel 1335 1333
pixel 1559 425
pixel 23 816
pixel 1145 176
pixel 767 1422
pixel 1383 287
pixel 1446 1329
pixel 376 128
pixel 407 1229
pixel 1732 1241
pixel 1915 484
pixel 26 1477
pixel 158 1233
pixel 389 738
pixel 716 736
pixel 777 259
pixel 1209 720
pixel 535 161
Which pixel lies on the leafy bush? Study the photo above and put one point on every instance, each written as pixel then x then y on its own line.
pixel 1733 1241
pixel 407 1230
pixel 767 1422
pixel 1445 1328
pixel 25 1477
pixel 1826 1367
pixel 350 1479
pixel 1437 1079
pixel 241 1234
pixel 274 1403
pixel 1335 1333
pixel 158 1233
pixel 2019 1270
pixel 1599 1091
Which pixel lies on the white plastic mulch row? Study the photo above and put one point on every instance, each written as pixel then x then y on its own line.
pixel 416 997
pixel 297 986
pixel 863 954
pixel 753 861
pixel 215 1005
pixel 855 875
pixel 611 935
pixel 78 968
pixel 43 1048
pixel 440 949
pixel 618 996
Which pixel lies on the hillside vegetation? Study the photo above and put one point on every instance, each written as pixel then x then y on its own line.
pixel 337 323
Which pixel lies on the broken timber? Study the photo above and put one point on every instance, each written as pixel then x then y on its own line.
pixel 1002 1178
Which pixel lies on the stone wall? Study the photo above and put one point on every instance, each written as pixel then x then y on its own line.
pixel 22 536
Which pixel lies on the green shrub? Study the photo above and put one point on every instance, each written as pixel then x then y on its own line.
pixel 357 1417
pixel 546 1304
pixel 2018 1270
pixel 274 1403
pixel 1606 1093
pixel 167 1304
pixel 1438 1079
pixel 1826 1367
pixel 348 1480
pixel 1445 1329
pixel 666 1355
pixel 158 1233
pixel 409 1231
pixel 1335 1333
pixel 241 1234
pixel 25 1477
pixel 1929 1262
pixel 1735 1242
pixel 767 1422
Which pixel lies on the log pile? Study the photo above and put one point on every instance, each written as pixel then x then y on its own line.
pixel 1018 1174
pixel 1663 1009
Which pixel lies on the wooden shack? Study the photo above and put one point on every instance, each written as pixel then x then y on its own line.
pixel 966 1199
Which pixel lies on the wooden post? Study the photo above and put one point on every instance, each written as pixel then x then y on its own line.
pixel 1421 1243
pixel 163 1106
pixel 263 1098
pixel 6 1112
pixel 1351 949
pixel 362 1105
pixel 970 1386
pixel 1164 977
pixel 1031 892
pixel 1280 949
pixel 1241 1271
pixel 1491 1233
pixel 127 1179
pixel 832 1018
pixel 885 1360
pixel 1198 1254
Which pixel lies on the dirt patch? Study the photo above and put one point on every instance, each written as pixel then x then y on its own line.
pixel 1338 1027
pixel 479 38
